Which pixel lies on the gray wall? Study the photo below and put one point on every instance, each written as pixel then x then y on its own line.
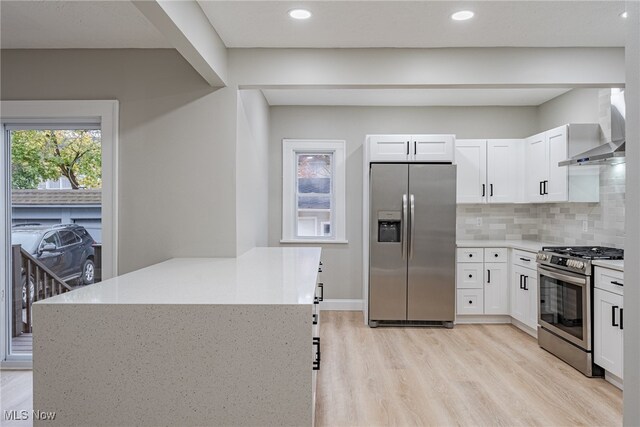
pixel 575 106
pixel 177 143
pixel 252 170
pixel 344 261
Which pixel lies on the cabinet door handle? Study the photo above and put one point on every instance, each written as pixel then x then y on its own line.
pixel 491 190
pixel 321 264
pixel 613 315
pixel 321 286
pixel 407 148
pixel 541 190
pixel 621 318
pixel 521 277
pixel 545 183
pixel 525 283
pixel 415 148
pixel 315 318
pixel 316 300
pixel 319 269
pixel 483 187
pixel 316 362
pixel 470 276
pixel 615 282
pixel 525 259
pixel 488 276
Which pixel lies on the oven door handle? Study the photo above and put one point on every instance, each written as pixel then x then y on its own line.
pixel 576 280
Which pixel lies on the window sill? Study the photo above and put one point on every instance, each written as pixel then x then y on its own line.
pixel 314 241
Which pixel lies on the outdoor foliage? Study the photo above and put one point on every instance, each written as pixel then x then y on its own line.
pixel 39 155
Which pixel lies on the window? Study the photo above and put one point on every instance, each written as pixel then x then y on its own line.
pixel 50 238
pixel 313 208
pixel 68 238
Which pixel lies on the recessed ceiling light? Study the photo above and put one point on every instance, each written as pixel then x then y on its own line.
pixel 624 14
pixel 462 15
pixel 300 14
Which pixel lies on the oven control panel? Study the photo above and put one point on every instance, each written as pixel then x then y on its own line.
pixel 567 263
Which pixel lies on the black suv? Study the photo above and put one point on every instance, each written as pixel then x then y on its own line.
pixel 66 249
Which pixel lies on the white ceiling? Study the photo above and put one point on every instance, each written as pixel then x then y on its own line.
pixel 412 97
pixel 364 23
pixel 418 24
pixel 76 24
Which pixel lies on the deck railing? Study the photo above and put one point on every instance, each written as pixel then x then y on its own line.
pixel 27 270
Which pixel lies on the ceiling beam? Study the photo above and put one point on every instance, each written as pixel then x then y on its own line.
pixel 187 28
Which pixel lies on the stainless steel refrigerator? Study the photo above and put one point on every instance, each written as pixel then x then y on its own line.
pixel 412 244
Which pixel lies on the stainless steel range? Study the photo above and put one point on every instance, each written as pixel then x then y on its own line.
pixel 565 298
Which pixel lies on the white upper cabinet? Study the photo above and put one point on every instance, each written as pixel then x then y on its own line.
pixel 548 182
pixel 557 185
pixel 490 171
pixel 536 167
pixel 504 167
pixel 471 158
pixel 433 148
pixel 411 148
pixel 390 148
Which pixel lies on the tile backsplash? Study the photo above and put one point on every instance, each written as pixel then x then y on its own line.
pixel 497 222
pixel 560 223
pixel 563 222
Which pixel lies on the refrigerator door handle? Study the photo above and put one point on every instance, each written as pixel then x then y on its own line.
pixel 405 224
pixel 412 202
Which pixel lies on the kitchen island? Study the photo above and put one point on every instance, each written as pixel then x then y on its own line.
pixel 190 341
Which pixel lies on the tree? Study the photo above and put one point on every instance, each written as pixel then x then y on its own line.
pixel 39 155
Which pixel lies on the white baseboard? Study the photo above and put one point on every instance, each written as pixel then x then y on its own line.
pixel 341 305
pixel 613 380
pixel 518 324
pixel 480 319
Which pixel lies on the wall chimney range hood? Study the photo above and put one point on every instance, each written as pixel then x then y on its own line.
pixel 610 152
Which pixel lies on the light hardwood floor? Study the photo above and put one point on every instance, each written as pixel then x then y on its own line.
pixel 16 394
pixel 472 375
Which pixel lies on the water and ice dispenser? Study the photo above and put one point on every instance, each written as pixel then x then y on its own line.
pixel 389 226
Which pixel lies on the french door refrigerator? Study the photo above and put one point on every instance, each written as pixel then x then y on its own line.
pixel 412 244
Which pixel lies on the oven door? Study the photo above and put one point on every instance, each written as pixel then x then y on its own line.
pixel 564 300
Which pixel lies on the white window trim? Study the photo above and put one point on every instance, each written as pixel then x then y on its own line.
pixel 289 170
pixel 103 111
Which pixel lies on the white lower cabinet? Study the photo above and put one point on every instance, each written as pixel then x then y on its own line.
pixel 470 301
pixel 482 287
pixel 469 275
pixel 608 321
pixel 524 295
pixel 496 288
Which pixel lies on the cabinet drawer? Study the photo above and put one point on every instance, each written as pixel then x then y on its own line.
pixel 524 259
pixel 608 280
pixel 470 301
pixel 470 255
pixel 470 275
pixel 495 255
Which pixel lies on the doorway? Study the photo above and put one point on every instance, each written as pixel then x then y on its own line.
pixel 58 163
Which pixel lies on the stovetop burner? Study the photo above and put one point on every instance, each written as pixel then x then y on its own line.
pixel 587 252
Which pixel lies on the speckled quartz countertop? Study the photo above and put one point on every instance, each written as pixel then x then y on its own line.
pixel 260 276
pixel 525 245
pixel 612 264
